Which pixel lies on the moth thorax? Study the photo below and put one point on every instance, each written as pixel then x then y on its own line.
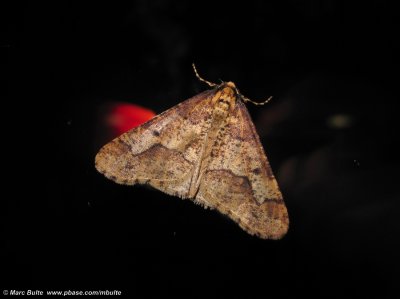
pixel 225 104
pixel 227 98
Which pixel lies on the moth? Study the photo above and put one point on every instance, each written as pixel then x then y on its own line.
pixel 205 149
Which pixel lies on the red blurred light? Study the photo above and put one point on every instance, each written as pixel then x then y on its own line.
pixel 122 117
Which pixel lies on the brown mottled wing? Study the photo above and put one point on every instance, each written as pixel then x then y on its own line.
pixel 162 152
pixel 239 182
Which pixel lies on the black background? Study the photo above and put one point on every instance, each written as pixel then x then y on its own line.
pixel 68 228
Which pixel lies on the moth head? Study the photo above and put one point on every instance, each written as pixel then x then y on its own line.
pixel 230 91
pixel 226 95
pixel 230 84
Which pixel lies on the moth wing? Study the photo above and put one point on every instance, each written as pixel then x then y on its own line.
pixel 162 152
pixel 239 181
